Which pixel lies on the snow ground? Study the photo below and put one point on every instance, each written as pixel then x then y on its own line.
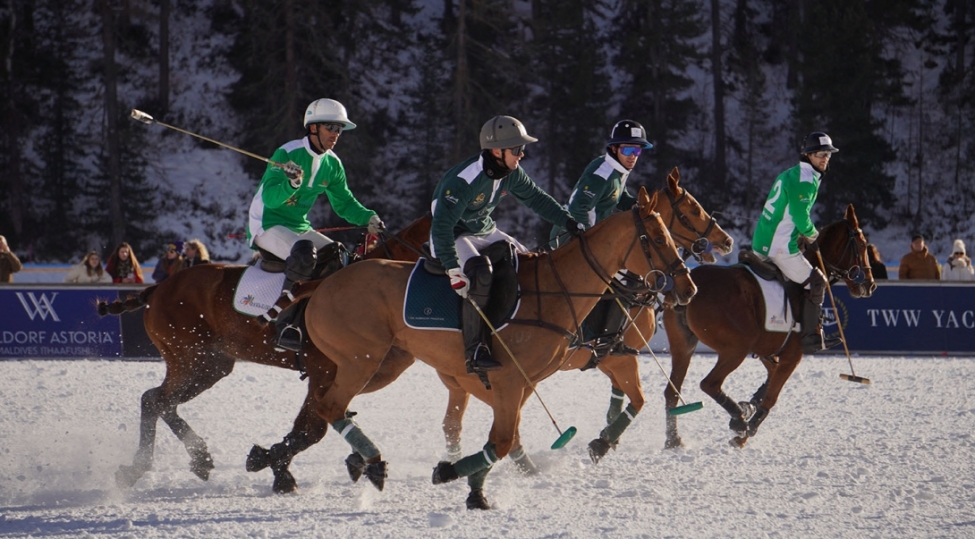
pixel 833 460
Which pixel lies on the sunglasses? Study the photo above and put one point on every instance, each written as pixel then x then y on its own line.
pixel 630 151
pixel 334 128
pixel 517 151
pixel 822 154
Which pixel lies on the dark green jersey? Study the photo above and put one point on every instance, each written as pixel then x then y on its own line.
pixel 465 197
pixel 600 190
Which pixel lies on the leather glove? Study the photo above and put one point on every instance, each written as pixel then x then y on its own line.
pixel 294 173
pixel 459 282
pixel 376 225
pixel 808 243
pixel 575 228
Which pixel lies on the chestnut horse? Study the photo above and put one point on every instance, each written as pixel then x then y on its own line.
pixel 359 321
pixel 692 229
pixel 191 319
pixel 728 315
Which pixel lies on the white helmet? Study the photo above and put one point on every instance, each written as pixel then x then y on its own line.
pixel 327 110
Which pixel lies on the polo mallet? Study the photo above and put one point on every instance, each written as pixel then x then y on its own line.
pixel 147 119
pixel 686 407
pixel 852 377
pixel 564 436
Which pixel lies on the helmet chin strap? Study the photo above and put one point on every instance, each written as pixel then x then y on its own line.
pixel 316 145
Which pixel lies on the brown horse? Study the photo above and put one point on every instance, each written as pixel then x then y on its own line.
pixel 191 319
pixel 692 229
pixel 728 315
pixel 359 321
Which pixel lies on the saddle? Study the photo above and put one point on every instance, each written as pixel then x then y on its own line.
pixel 766 269
pixel 504 287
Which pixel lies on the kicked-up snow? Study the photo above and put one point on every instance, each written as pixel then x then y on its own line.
pixel 834 459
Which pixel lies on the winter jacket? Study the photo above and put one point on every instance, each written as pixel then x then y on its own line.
pixel 465 197
pixel 919 265
pixel 166 267
pixel 9 265
pixel 120 270
pixel 188 262
pixel 79 274
pixel 785 215
pixel 277 203
pixel 600 190
pixel 959 269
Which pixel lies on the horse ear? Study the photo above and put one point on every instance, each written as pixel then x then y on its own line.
pixel 651 205
pixel 851 216
pixel 673 179
pixel 642 198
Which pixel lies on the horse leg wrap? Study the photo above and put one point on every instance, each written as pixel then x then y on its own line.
pixel 454 453
pixel 356 439
pixel 476 480
pixel 523 461
pixel 615 405
pixel 756 420
pixel 613 431
pixel 476 462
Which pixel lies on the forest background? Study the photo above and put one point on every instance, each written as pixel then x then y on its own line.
pixel 725 88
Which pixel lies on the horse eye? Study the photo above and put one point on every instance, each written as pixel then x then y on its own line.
pixel 660 240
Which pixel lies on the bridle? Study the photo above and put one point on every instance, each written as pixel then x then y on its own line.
pixel 701 244
pixel 853 274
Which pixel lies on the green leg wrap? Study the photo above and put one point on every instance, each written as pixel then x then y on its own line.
pixel 356 438
pixel 477 462
pixel 476 480
pixel 613 431
pixel 615 405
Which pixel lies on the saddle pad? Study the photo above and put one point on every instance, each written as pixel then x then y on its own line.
pixel 777 319
pixel 431 304
pixel 257 291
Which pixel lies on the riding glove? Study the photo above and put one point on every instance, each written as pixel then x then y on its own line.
pixel 574 227
pixel 459 282
pixel 294 173
pixel 376 225
pixel 808 243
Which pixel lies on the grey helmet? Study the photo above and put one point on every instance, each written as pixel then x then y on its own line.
pixel 816 141
pixel 504 132
pixel 629 132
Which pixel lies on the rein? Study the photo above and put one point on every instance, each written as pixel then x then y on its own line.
pixel 700 244
pixel 854 273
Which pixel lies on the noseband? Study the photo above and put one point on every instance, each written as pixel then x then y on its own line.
pixel 854 273
pixel 701 244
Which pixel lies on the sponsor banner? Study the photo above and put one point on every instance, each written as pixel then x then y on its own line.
pixel 906 317
pixel 46 322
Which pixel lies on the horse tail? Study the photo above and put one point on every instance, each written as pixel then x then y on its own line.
pixel 130 303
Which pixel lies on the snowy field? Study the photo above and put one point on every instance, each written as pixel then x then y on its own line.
pixel 834 459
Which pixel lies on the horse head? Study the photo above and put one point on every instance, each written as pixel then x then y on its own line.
pixel 661 264
pixel 703 233
pixel 844 252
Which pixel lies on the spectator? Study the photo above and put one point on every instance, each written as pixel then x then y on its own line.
pixel 170 263
pixel 194 253
pixel 877 265
pixel 123 265
pixel 9 263
pixel 89 270
pixel 959 266
pixel 919 264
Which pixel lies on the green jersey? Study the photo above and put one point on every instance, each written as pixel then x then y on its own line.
pixel 600 190
pixel 465 197
pixel 785 215
pixel 277 203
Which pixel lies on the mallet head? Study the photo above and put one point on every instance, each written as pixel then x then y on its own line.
pixel 141 117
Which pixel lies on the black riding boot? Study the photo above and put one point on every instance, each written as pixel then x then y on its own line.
pixel 813 338
pixel 609 333
pixel 477 335
pixel 299 266
pixel 290 327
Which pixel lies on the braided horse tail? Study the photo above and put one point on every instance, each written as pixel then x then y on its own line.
pixel 131 303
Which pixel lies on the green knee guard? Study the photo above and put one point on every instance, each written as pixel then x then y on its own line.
pixel 615 405
pixel 477 462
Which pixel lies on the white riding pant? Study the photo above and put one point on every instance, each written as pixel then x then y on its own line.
pixel 279 239
pixel 794 267
pixel 469 246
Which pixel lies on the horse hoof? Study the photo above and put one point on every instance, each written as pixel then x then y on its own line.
pixel 738 425
pixel 355 465
pixel 376 473
pixel 444 472
pixel 672 443
pixel 477 501
pixel 738 442
pixel 284 482
pixel 597 449
pixel 126 476
pixel 201 466
pixel 257 459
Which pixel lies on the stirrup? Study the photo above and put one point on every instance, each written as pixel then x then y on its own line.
pixel 622 349
pixel 482 360
pixel 290 339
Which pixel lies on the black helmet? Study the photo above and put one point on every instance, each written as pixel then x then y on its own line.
pixel 816 141
pixel 629 132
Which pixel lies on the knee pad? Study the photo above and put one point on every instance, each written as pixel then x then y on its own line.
pixel 817 286
pixel 301 263
pixel 332 258
pixel 479 271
